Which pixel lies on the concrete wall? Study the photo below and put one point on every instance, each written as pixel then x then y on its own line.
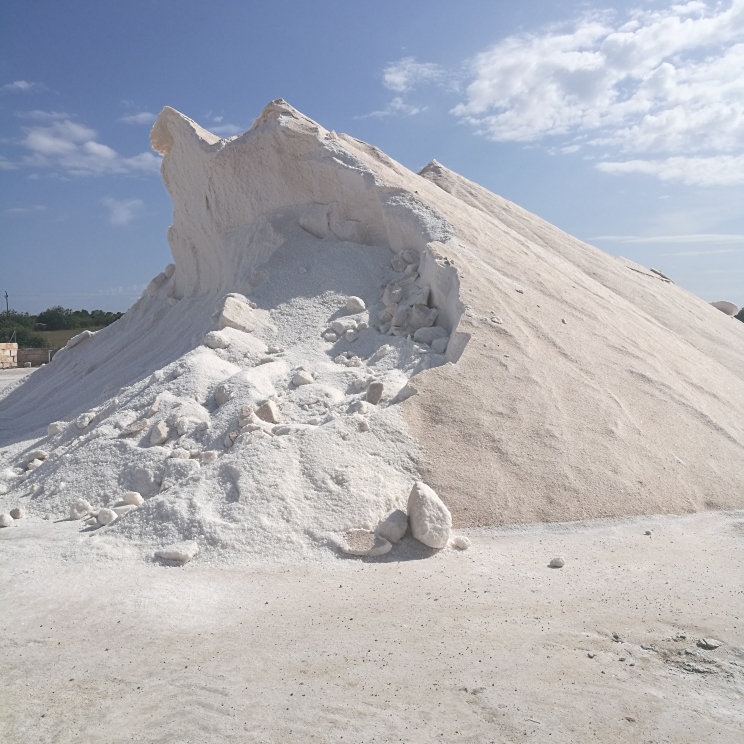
pixel 35 357
pixel 8 355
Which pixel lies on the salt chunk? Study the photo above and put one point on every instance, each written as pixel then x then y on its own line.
pixel 460 542
pixel 106 516
pixel 5 520
pixel 90 522
pixel 364 426
pixel 216 340
pixel 84 420
pixel 330 336
pixel 355 305
pixel 180 453
pixel 120 511
pixel 208 457
pixel 81 508
pixel 393 527
pixel 3 488
pixel 399 263
pixel 358 406
pixel 351 336
pixel 268 412
pixel 274 350
pixel 557 562
pixel 34 464
pixel 231 437
pixel 428 335
pixel 429 518
pixel 132 497
pixel 341 325
pixel 374 392
pixel 222 394
pixel 56 427
pixel 18 513
pixel 236 313
pixel 422 316
pixel 365 543
pixel 410 256
pixel 38 454
pixel 302 378
pixel 159 433
pixel 180 552
pixel 439 345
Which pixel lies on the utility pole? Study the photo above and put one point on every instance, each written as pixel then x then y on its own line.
pixel 7 309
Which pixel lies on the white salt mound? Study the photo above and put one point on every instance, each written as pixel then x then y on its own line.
pixel 295 250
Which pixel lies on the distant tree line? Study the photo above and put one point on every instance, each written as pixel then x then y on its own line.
pixel 29 329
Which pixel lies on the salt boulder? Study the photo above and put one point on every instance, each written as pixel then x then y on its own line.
pixel 269 412
pixel 236 313
pixel 18 513
pixel 430 519
pixel 180 552
pixel 422 316
pixel 429 334
pixel 302 378
pixel 216 340
pixel 34 464
pixel 393 527
pixel 355 305
pixel 5 520
pixel 341 325
pixel 366 543
pixel 106 516
pixel 728 308
pixel 159 434
pixel 81 508
pixel 56 427
pixel 132 497
pixel 374 392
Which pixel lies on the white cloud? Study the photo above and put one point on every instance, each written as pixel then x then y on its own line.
pixel 39 115
pixel 717 170
pixel 396 107
pixel 661 81
pixel 23 86
pixel 122 211
pixel 28 209
pixel 226 130
pixel 143 117
pixel 691 238
pixel 406 73
pixel 73 147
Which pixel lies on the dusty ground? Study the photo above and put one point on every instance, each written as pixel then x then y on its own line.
pixel 12 375
pixel 488 645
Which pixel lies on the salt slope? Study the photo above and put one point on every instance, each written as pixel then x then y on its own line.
pixel 167 402
pixel 604 390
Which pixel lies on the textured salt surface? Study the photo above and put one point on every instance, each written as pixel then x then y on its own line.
pixel 259 396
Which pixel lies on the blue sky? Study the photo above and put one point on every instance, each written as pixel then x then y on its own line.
pixel 622 123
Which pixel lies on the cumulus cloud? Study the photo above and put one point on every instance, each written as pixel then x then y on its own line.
pixel 122 211
pixel 23 86
pixel 663 82
pixel 73 147
pixel 143 117
pixel 406 73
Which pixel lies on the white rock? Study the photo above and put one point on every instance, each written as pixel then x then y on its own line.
pixel 268 412
pixel 355 305
pixel 84 420
pixel 393 527
pixel 341 325
pixel 429 334
pixel 90 522
pixel 120 511
pixel 358 406
pixel 3 488
pixel 81 508
pixel 180 453
pixel 136 427
pixel 18 513
pixel 230 438
pixel 351 336
pixel 180 552
pixel 399 263
pixel 132 497
pixel 364 426
pixel 34 464
pixel 302 378
pixel 709 644
pixel 208 457
pixel 422 316
pixel 5 520
pixel 410 256
pixel 430 519
pixel 460 542
pixel 439 345
pixel 159 433
pixel 106 516
pixel 216 340
pixel 222 394
pixel 392 295
pixel 374 392
pixel 236 313
pixel 330 336
pixel 56 427
pixel 557 562
pixel 364 542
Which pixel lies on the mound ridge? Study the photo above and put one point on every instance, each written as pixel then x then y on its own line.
pixel 527 375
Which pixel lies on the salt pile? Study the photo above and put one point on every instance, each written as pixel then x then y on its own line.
pixel 335 329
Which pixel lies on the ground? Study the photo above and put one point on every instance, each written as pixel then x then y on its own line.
pixel 12 375
pixel 485 645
